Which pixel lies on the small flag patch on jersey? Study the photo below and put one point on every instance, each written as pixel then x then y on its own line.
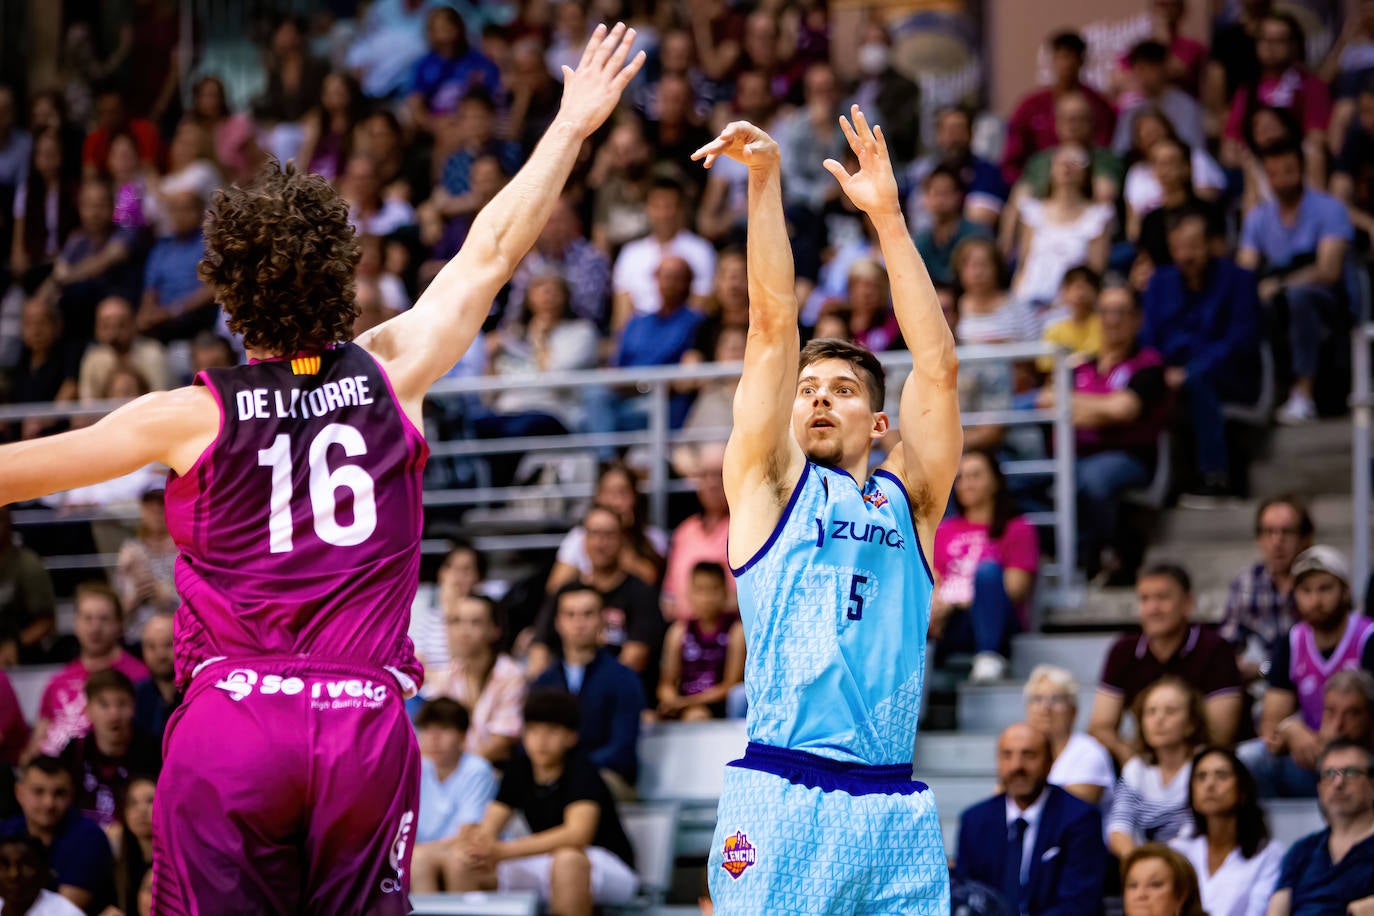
pixel 874 496
pixel 738 854
pixel 305 365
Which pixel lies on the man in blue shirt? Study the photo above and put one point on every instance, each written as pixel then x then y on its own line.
pixel 609 694
pixel 1327 871
pixel 655 339
pixel 1201 314
pixel 1297 242
pixel 455 788
pixel 176 304
pixel 77 849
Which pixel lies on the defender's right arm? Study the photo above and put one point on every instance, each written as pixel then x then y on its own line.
pixel 762 459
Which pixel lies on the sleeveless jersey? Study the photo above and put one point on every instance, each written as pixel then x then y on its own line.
pixel 1310 670
pixel 703 657
pixel 299 527
pixel 836 605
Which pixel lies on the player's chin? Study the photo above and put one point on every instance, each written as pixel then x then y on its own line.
pixel 824 452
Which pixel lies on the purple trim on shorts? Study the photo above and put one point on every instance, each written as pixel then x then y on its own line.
pixel 777 529
pixel 920 551
pixel 803 769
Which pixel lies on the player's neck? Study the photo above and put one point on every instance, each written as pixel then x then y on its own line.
pixel 253 353
pixel 579 655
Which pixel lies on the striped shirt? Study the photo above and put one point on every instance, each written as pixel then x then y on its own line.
pixel 1146 809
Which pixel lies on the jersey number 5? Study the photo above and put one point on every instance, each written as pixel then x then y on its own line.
pixel 856 601
pixel 323 484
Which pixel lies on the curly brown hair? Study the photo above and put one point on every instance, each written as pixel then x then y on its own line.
pixel 280 254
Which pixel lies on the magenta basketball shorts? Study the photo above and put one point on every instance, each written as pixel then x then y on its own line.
pixel 290 785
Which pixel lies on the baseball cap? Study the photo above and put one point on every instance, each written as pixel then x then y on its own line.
pixel 1321 558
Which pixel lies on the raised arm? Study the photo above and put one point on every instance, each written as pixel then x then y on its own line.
pixel 420 346
pixel 932 438
pixel 762 459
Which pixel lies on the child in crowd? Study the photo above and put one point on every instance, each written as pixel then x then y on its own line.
pixel 455 788
pixel 576 853
pixel 104 762
pixel 703 656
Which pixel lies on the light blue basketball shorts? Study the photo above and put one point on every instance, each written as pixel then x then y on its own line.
pixel 801 835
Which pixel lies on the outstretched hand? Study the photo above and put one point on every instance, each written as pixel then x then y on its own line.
pixel 742 142
pixel 873 188
pixel 591 92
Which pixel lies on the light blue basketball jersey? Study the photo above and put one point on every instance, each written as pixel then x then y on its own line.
pixel 836 605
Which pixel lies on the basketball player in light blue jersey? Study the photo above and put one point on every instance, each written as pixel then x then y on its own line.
pixel 822 814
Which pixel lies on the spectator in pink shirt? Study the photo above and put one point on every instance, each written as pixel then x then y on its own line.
pixel 700 538
pixel 1286 83
pixel 14 730
pixel 488 683
pixel 986 557
pixel 99 626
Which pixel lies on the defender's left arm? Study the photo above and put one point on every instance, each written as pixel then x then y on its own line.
pixel 932 437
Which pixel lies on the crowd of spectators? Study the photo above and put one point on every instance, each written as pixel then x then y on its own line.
pixel 1184 227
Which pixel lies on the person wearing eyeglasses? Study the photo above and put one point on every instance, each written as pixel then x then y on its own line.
pixel 1332 870
pixel 1259 605
pixel 1079 764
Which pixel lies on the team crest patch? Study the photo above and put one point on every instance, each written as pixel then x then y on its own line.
pixel 738 854
pixel 874 496
pixel 305 365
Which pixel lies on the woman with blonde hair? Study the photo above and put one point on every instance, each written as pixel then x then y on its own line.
pixel 1157 881
pixel 1082 767
pixel 1151 803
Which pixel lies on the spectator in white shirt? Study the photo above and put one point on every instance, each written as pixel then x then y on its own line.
pixel 633 278
pixel 1081 766
pixel 24 872
pixel 1236 861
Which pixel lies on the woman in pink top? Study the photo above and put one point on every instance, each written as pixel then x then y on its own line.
pixel 985 561
pixel 490 684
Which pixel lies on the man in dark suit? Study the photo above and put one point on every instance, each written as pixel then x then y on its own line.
pixel 1037 844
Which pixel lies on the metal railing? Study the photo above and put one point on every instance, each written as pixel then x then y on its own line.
pixel 657 442
pixel 1361 407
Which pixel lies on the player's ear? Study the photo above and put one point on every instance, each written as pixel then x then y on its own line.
pixel 881 424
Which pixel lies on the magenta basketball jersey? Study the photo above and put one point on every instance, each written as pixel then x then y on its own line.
pixel 299 527
pixel 1310 670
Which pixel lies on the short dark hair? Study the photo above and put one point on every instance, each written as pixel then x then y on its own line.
pixel 1069 40
pixel 476 95
pixel 1345 744
pixel 443 712
pixel 462 545
pixel 1306 528
pixel 280 254
pixel 1084 273
pixel 32 844
pixel 945 170
pixel 574 588
pixel 109 679
pixel 1296 34
pixel 549 706
pixel 708 568
pixel 865 364
pixel 960 110
pixel 1176 219
pixel 664 182
pixel 1168 571
pixel 47 765
pixel 1118 285
pixel 98 589
pixel 1288 146
pixel 1148 52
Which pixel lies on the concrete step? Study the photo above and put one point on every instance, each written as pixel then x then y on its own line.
pixel 1233 522
pixel 1080 654
pixel 988 708
pixel 1310 459
pixel 1115 609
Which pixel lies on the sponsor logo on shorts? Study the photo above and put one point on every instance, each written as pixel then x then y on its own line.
pixel 738 854
pixel 345 693
pixel 398 854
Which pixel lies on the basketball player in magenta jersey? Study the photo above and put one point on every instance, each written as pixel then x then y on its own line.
pixel 822 815
pixel 292 774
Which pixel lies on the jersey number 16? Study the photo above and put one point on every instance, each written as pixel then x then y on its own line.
pixel 323 485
